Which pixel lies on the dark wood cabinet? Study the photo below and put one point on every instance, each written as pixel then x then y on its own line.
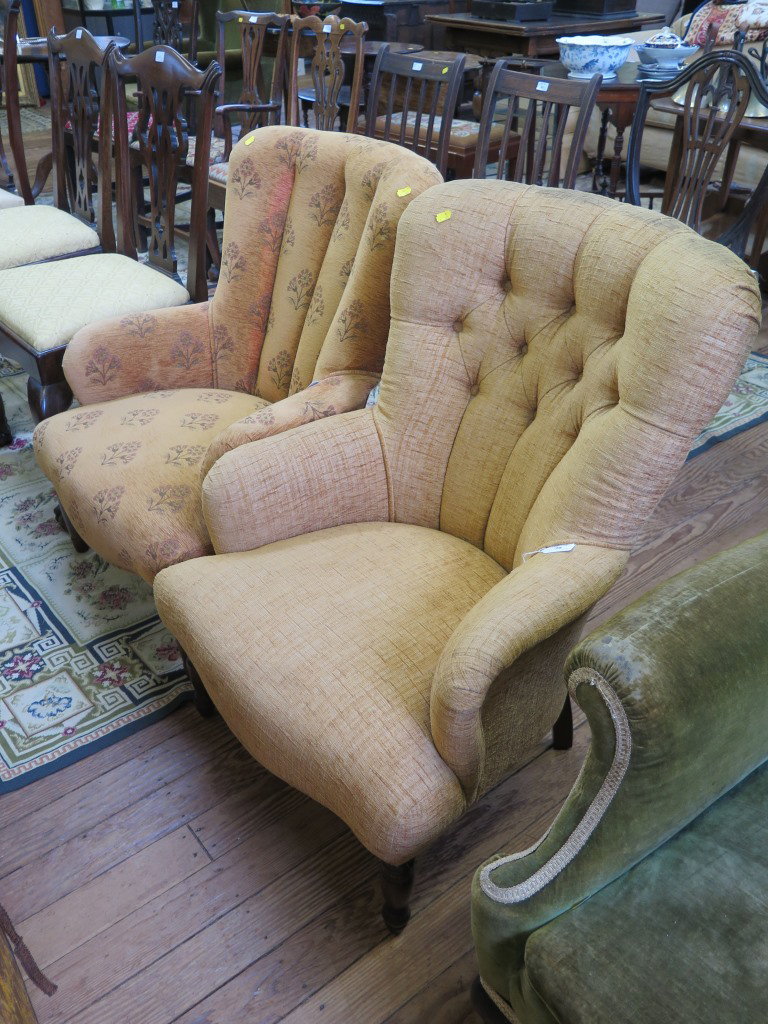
pixel 403 21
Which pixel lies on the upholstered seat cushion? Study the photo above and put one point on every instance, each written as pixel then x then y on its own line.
pixel 463 133
pixel 217 151
pixel 688 927
pixel 33 233
pixel 342 676
pixel 76 292
pixel 9 199
pixel 219 172
pixel 120 465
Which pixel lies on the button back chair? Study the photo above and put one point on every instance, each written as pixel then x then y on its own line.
pixel 394 591
pixel 43 305
pixel 295 332
pixel 539 113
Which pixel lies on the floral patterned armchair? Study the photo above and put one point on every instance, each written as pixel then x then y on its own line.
pixel 295 331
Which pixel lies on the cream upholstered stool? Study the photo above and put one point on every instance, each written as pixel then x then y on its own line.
pixel 303 297
pixel 395 589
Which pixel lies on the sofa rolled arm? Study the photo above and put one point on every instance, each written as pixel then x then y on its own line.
pixel 330 472
pixel 338 392
pixel 674 690
pixel 537 599
pixel 163 348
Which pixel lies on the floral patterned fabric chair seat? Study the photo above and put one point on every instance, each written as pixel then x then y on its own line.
pixel 296 331
pixel 149 445
pixel 463 133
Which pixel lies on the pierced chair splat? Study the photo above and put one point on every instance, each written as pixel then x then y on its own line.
pixel 324 88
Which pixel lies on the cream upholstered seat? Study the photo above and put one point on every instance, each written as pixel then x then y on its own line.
pixel 33 233
pixel 303 296
pixel 76 292
pixel 546 373
pixel 9 200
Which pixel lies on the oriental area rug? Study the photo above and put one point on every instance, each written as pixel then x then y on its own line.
pixel 84 659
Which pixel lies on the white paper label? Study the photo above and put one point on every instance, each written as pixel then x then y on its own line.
pixel 326 28
pixel 416 66
pixel 159 57
pixel 253 20
pixel 551 550
pixel 542 87
pixel 79 34
pixel 175 4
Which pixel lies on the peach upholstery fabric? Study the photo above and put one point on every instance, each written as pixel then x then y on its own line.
pixel 552 356
pixel 303 296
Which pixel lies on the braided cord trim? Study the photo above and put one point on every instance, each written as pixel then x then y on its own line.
pixel 593 815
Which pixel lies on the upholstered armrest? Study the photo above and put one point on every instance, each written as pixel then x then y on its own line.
pixel 166 348
pixel 674 689
pixel 538 598
pixel 338 392
pixel 327 473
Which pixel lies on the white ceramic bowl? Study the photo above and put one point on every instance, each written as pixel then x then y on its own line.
pixel 665 56
pixel 585 56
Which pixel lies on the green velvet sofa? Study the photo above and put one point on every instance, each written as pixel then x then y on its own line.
pixel 647 901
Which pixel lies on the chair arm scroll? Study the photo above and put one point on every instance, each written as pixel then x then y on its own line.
pixel 153 351
pixel 540 597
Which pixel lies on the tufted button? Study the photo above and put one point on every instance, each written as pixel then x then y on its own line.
pixel 458 325
pixel 474 390
pixel 523 349
pixel 506 285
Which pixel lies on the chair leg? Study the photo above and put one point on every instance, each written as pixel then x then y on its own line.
pixel 484 1006
pixel 562 730
pixel 396 886
pixel 5 431
pixel 48 399
pixel 65 523
pixel 203 702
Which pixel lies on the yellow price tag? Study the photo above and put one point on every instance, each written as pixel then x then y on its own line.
pixel 249 140
pixel 341 26
pixel 240 19
pixel 444 71
pixel 445 215
pixel 404 191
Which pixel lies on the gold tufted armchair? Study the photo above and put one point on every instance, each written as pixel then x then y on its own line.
pixel 296 331
pixel 385 622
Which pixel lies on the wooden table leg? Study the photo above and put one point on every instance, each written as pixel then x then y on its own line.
pixel 599 171
pixel 5 431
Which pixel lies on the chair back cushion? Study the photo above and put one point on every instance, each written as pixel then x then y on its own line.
pixel 547 390
pixel 309 237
